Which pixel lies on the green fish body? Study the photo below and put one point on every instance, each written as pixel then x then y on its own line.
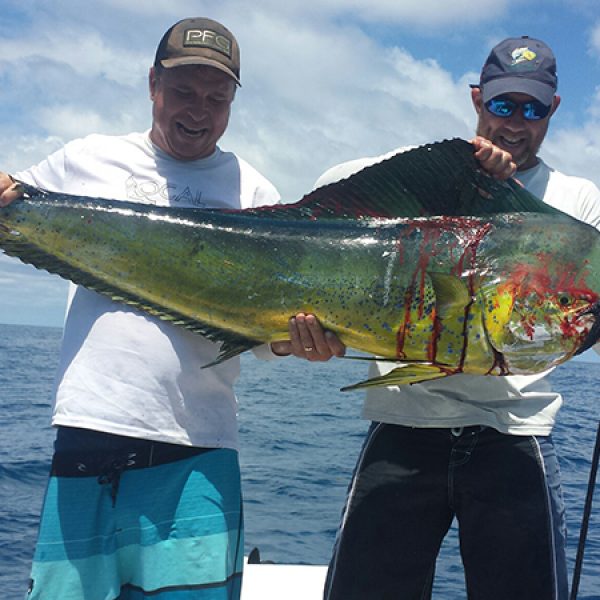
pixel 422 260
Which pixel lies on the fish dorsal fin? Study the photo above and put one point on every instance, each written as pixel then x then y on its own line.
pixel 442 178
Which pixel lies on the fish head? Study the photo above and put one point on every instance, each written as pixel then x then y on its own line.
pixel 535 329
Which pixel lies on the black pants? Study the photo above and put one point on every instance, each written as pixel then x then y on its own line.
pixel 408 486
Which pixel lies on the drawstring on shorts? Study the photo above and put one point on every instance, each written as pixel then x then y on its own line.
pixel 112 475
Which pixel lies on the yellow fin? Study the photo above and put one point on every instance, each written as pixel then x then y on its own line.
pixel 498 302
pixel 411 373
pixel 451 294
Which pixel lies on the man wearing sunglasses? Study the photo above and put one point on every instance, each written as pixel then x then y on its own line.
pixel 477 449
pixel 516 97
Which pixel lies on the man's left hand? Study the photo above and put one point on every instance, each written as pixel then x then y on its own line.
pixel 309 340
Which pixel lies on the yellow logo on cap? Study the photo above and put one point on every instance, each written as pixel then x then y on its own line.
pixel 520 55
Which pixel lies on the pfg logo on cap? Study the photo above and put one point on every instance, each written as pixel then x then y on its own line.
pixel 206 38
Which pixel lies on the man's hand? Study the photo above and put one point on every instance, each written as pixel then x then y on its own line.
pixel 497 163
pixel 8 189
pixel 309 340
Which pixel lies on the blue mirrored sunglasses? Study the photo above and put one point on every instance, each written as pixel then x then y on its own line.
pixel 533 110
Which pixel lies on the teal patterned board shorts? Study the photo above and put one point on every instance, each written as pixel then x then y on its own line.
pixel 117 525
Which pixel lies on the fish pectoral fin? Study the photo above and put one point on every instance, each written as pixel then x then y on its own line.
pixel 407 374
pixel 451 294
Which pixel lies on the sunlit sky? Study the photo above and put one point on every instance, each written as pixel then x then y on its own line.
pixel 323 81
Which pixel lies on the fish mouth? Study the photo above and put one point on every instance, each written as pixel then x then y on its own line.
pixel 594 334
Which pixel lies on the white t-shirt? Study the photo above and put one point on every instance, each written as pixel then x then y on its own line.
pixel 521 404
pixel 122 371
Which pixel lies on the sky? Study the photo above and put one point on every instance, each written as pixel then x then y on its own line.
pixel 322 82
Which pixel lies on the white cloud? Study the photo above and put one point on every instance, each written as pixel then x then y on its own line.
pixel 427 14
pixel 84 50
pixel 318 86
pixel 594 110
pixel 171 10
pixel 71 121
pixel 575 151
pixel 595 40
pixel 575 148
pixel 333 93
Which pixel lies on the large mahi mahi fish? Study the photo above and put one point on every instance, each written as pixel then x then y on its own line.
pixel 421 259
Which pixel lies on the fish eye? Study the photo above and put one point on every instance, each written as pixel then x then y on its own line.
pixel 564 300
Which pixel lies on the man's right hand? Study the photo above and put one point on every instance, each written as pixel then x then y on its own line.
pixel 497 163
pixel 8 189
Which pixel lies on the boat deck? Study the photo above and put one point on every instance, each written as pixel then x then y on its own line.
pixel 274 581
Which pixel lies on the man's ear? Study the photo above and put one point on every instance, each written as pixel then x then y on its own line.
pixel 555 104
pixel 152 82
pixel 477 99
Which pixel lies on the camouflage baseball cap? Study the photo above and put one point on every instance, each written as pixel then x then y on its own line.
pixel 200 41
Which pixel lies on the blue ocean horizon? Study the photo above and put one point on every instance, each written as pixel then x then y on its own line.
pixel 300 437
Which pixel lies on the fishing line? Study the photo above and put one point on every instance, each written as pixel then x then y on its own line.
pixel 586 517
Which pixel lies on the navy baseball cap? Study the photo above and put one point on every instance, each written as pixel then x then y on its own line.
pixel 524 65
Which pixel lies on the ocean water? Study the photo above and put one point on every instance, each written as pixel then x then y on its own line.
pixel 300 439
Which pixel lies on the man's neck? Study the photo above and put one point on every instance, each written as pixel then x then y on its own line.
pixel 524 169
